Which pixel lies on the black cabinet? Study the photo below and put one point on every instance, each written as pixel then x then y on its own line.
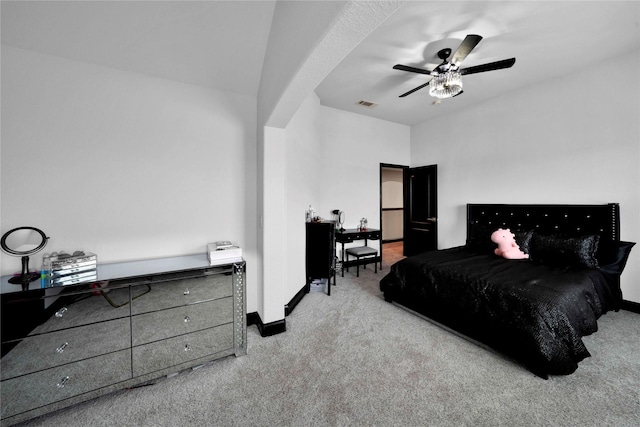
pixel 320 252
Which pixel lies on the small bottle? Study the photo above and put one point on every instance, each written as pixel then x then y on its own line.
pixel 44 271
pixel 310 214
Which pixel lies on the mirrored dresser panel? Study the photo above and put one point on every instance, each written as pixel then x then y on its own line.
pixel 138 322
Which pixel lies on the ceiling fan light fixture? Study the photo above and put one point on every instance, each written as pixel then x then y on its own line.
pixel 446 85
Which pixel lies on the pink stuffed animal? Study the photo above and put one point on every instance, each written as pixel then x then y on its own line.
pixel 507 246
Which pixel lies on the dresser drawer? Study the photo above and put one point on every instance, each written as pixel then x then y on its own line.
pixel 182 292
pixel 158 325
pixel 56 348
pixel 174 351
pixel 52 385
pixel 358 235
pixel 56 312
pixel 340 238
pixel 78 310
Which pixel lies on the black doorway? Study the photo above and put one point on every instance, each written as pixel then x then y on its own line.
pixel 420 209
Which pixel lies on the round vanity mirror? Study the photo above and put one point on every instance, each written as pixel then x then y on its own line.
pixel 22 242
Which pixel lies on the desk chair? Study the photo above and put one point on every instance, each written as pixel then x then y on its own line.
pixel 362 252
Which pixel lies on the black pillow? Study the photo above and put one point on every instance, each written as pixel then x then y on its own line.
pixel 569 251
pixel 523 239
pixel 479 238
pixel 613 256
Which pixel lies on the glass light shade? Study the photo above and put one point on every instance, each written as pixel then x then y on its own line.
pixel 446 85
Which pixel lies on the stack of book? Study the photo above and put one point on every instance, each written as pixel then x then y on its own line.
pixel 223 252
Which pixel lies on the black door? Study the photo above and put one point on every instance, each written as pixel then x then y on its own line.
pixel 420 210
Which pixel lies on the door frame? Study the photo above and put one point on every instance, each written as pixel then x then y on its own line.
pixel 389 166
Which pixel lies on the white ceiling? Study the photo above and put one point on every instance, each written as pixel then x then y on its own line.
pixel 547 39
pixel 221 44
pixel 217 44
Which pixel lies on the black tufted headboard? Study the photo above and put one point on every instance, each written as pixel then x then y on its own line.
pixel 568 220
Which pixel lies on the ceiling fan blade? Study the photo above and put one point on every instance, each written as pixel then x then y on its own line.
pixel 505 63
pixel 411 69
pixel 414 89
pixel 465 48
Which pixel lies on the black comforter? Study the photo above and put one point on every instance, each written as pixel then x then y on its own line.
pixel 532 312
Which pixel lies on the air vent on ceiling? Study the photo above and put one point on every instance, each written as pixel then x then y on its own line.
pixel 367 104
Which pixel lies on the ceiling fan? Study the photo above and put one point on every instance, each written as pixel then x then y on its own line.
pixel 447 77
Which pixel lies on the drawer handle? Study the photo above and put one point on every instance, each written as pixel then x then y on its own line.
pixel 63 382
pixel 62 347
pixel 61 312
pixel 187 347
pixel 187 319
pixel 186 292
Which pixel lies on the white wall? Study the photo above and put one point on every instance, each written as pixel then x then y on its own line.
pixel 392 188
pixel 303 186
pixel 569 140
pixel 125 165
pixel 353 148
pixel 325 32
pixel 333 162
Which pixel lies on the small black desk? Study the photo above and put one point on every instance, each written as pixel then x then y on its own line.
pixel 349 235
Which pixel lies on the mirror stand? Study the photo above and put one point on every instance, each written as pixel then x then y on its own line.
pixel 24 241
pixel 26 277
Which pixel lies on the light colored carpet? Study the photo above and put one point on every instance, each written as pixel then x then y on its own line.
pixel 353 359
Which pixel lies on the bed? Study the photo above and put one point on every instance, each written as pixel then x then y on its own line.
pixel 534 310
